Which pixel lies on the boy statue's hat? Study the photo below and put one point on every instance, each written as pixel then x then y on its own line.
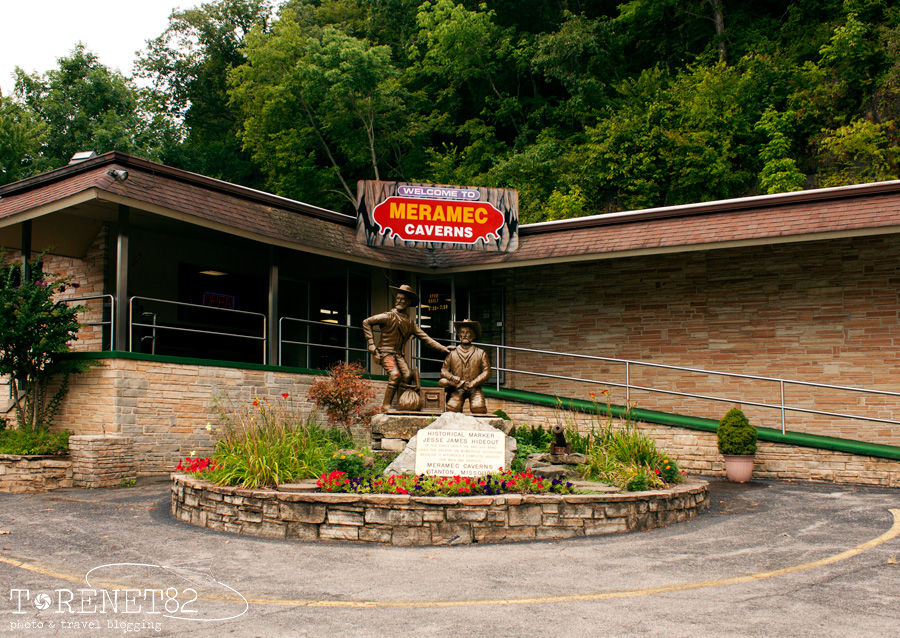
pixel 410 294
pixel 468 323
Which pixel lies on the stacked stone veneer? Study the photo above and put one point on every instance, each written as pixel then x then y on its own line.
pixel 101 460
pixel 34 473
pixel 166 408
pixel 697 451
pixel 409 520
pixel 93 461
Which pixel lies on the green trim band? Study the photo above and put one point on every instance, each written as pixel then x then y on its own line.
pixel 816 441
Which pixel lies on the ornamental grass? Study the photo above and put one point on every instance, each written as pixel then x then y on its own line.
pixel 265 443
pixel 621 455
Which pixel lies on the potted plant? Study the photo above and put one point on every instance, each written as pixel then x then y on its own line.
pixel 737 443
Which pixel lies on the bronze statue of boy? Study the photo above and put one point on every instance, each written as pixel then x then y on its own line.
pixel 396 330
pixel 465 370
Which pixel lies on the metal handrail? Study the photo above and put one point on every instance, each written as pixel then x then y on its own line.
pixel 157 326
pixel 782 406
pixel 112 314
pixel 309 322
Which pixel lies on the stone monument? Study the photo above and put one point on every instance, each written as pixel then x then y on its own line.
pixel 455 445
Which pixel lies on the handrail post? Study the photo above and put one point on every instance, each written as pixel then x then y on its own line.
pixel 265 341
pixel 130 321
pixel 781 383
pixel 112 323
pixel 497 367
pixel 627 382
pixel 347 341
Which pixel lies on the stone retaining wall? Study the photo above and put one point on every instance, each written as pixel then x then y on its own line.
pixel 93 461
pixel 410 520
pixel 28 473
pixel 102 460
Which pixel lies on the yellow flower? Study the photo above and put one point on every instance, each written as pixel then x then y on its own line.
pixel 360 455
pixel 343 456
pixel 193 453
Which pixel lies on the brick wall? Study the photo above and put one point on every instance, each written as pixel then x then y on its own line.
pixel 824 312
pixel 88 275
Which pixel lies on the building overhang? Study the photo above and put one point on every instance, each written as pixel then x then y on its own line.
pixel 67 206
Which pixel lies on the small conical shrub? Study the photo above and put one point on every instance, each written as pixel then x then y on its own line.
pixel 736 435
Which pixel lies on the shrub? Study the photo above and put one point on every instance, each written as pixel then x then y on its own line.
pixel 344 395
pixel 736 435
pixel 35 333
pixel 26 440
pixel 353 465
pixel 530 440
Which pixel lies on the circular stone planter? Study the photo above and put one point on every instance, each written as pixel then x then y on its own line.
pixel 399 519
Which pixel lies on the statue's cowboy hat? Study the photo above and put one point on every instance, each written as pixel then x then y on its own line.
pixel 468 323
pixel 410 294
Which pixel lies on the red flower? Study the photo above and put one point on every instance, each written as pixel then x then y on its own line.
pixel 285 395
pixel 255 401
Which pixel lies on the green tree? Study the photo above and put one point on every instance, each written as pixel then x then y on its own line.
pixel 860 152
pixel 321 110
pixel 22 137
pixel 188 65
pixel 35 332
pixel 779 173
pixel 86 106
pixel 676 140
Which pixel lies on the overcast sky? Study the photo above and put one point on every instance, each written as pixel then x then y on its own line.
pixel 35 33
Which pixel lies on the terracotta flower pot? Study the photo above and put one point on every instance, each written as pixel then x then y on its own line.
pixel 739 468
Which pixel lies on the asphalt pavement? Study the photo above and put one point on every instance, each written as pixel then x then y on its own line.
pixel 766 559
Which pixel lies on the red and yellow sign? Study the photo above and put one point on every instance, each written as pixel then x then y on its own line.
pixel 436 216
pixel 438 220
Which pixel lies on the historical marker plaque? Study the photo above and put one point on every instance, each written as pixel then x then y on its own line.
pixel 459 452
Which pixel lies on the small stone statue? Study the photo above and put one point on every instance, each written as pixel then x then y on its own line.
pixel 465 370
pixel 396 330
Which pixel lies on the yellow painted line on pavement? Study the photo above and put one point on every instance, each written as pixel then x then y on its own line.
pixel 893 532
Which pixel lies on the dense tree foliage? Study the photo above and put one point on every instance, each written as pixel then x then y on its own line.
pixel 584 107
pixel 86 106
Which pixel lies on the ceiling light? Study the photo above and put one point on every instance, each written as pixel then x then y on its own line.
pixel 213 273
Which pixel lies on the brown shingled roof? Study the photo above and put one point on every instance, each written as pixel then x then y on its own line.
pixel 269 218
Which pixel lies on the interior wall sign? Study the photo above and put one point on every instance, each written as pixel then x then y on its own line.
pixel 437 216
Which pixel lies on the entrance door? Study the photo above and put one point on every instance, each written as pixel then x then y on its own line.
pixel 448 299
pixel 436 313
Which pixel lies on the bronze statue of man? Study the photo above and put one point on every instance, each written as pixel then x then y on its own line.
pixel 396 330
pixel 465 370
